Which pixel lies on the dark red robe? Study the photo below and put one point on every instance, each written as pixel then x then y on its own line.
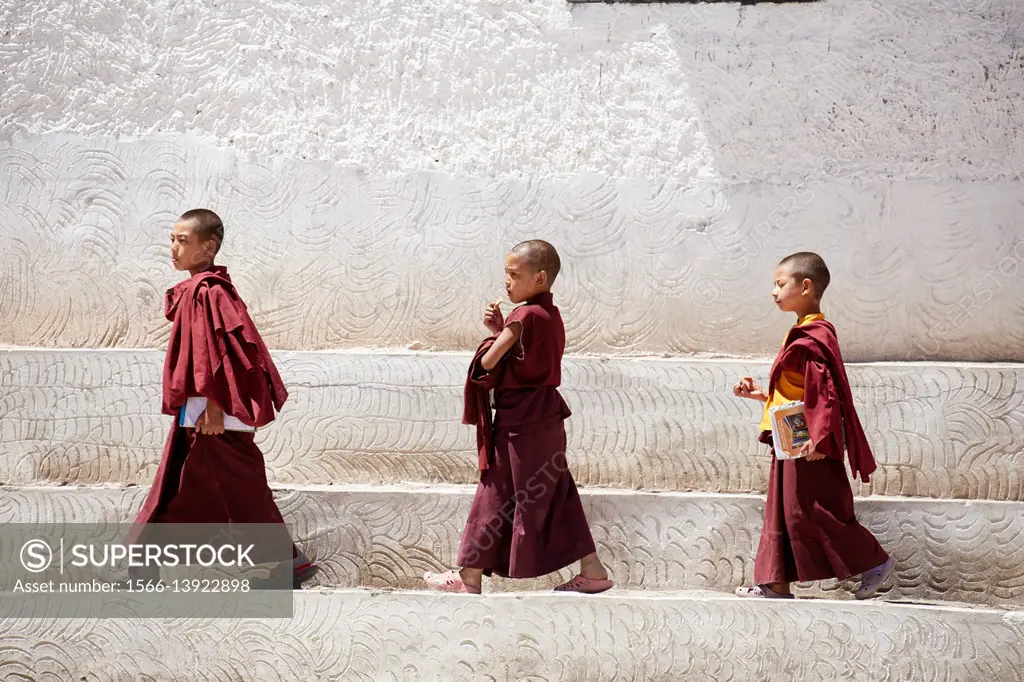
pixel 477 402
pixel 214 352
pixel 810 530
pixel 527 518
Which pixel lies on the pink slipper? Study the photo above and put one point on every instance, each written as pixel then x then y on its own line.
pixel 585 585
pixel 761 592
pixel 449 581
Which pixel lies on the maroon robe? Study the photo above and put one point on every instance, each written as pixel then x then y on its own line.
pixel 810 531
pixel 527 518
pixel 477 402
pixel 214 352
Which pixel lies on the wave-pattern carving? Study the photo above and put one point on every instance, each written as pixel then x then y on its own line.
pixel 365 223
pixel 410 261
pixel 386 537
pixel 357 635
pixel 937 430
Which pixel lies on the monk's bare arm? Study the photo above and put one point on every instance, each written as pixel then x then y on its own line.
pixel 508 338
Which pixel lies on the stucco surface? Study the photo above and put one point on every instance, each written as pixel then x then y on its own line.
pixel 388 536
pixel 374 164
pixel 538 88
pixel 937 430
pixel 331 258
pixel 662 637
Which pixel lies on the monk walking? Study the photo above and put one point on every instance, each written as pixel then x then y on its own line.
pixel 208 474
pixel 527 519
pixel 810 531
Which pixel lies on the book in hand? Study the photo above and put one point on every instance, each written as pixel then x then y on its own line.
pixel 789 429
pixel 194 408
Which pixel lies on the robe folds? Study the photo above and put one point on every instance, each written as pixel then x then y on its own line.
pixel 810 530
pixel 215 352
pixel 527 518
pixel 477 402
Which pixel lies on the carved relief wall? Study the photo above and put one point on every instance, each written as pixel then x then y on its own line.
pixel 374 164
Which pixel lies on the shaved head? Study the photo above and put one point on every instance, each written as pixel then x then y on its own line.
pixel 539 255
pixel 807 265
pixel 206 224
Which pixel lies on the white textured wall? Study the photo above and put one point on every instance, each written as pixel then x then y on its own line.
pixel 374 161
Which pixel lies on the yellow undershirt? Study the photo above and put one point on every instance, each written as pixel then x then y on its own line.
pixel 790 385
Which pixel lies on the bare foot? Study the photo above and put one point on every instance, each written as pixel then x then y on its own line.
pixel 592 568
pixel 779 588
pixel 472 577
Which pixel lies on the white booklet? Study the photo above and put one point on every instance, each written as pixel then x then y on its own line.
pixel 789 429
pixel 193 409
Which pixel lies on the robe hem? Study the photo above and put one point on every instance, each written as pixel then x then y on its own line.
pixel 526 575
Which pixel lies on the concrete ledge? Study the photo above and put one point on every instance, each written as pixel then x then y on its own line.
pixel 388 536
pixel 620 636
pixel 938 430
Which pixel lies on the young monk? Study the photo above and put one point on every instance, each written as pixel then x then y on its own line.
pixel 527 519
pixel 810 531
pixel 208 474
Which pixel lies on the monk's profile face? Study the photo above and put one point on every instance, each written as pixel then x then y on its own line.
pixel 521 281
pixel 790 294
pixel 187 251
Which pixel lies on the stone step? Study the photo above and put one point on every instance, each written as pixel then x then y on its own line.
pixel 938 430
pixel 622 635
pixel 387 536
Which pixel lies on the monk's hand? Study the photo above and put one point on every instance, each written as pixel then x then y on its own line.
pixel 493 319
pixel 211 421
pixel 748 388
pixel 808 451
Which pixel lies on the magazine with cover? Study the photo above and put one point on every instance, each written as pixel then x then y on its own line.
pixel 193 409
pixel 789 429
